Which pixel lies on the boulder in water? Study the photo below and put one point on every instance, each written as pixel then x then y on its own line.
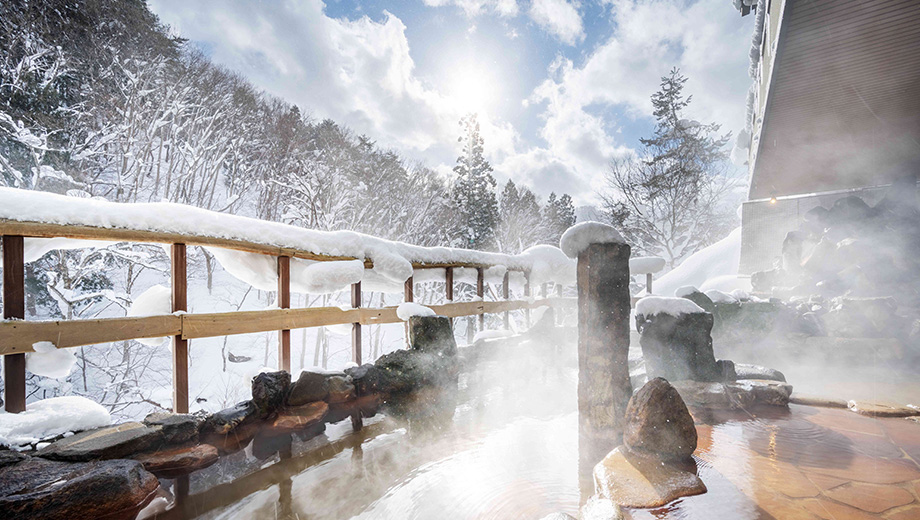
pixel 366 378
pixel 177 428
pixel 178 461
pixel 270 391
pixel 658 422
pixel 432 334
pixel 678 347
pixel 309 387
pixel 633 480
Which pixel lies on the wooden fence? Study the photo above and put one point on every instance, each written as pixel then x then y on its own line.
pixel 17 336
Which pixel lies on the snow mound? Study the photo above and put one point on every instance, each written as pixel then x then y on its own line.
pixel 549 264
pixel 408 309
pixel 50 361
pixel 578 237
pixel 651 305
pixel 718 296
pixel 49 418
pixel 728 283
pixel 685 291
pixel 155 301
pixel 646 264
pixel 324 277
pixel 719 259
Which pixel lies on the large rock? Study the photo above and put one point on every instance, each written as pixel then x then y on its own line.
pixel 733 396
pixel 270 391
pixel 178 461
pixel 408 370
pixel 309 387
pixel 678 347
pixel 432 334
pixel 700 298
pixel 176 428
pixel 633 480
pixel 340 389
pixel 297 418
pixel 366 378
pixel 747 371
pixel 658 422
pixel 110 442
pixel 37 488
pixel 231 429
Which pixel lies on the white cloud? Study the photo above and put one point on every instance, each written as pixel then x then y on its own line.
pixel 472 8
pixel 560 18
pixel 707 41
pixel 356 72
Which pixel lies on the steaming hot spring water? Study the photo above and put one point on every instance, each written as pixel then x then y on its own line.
pixel 507 447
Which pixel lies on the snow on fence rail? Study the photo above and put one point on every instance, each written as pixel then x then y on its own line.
pixel 37 215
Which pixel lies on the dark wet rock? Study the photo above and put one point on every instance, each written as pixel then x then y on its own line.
pixel 733 396
pixel 228 419
pixel 234 440
pixel 764 281
pixel 176 428
pixel 366 378
pixel 658 422
pixel 110 442
pixel 727 369
pixel 699 298
pixel 810 323
pixel 432 334
pixel 309 387
pixel 37 488
pixel 408 370
pixel 747 371
pixel 633 480
pixel 296 418
pixel 270 391
pixel 766 392
pixel 9 457
pixel 174 462
pixel 340 389
pixel 678 347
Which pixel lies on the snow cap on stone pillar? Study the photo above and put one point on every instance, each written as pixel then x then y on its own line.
pixel 578 237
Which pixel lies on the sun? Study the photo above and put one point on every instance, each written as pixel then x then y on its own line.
pixel 472 88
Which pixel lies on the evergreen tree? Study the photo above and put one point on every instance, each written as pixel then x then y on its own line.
pixel 474 189
pixel 667 201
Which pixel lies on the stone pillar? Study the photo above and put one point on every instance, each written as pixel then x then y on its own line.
pixel 603 345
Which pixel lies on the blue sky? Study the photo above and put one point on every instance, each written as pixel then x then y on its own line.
pixel 561 86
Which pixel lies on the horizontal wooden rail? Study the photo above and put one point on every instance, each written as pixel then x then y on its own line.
pixel 18 336
pixel 45 230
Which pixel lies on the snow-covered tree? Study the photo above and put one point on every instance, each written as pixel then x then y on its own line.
pixel 474 189
pixel 668 200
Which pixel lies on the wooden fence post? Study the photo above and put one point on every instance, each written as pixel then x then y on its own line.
pixel 179 270
pixel 648 283
pixel 14 307
pixel 284 302
pixel 506 295
pixel 408 296
pixel 449 284
pixel 356 327
pixel 480 292
pixel 527 295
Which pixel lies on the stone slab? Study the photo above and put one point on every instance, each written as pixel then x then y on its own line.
pixel 630 480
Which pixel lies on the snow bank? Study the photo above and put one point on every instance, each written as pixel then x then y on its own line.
pixel 720 297
pixel 392 260
pixel 408 309
pixel 719 259
pixel 155 301
pixel 728 283
pixel 646 264
pixel 578 237
pixel 50 361
pixel 651 305
pixel 49 418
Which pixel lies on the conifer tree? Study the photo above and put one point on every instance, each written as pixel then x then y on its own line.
pixel 474 189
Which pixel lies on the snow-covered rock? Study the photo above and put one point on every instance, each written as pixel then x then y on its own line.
pixel 578 237
pixel 720 297
pixel 408 309
pixel 49 418
pixel 685 290
pixel 651 305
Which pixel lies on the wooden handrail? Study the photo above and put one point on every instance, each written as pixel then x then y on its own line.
pixel 32 229
pixel 18 336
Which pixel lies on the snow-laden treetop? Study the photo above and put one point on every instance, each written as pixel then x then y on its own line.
pixel 651 305
pixel 391 260
pixel 578 237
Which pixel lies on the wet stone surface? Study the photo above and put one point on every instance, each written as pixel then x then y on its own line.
pixel 110 442
pixel 631 480
pixel 658 422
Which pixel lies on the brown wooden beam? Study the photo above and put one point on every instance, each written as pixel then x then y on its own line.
pixel 14 307
pixel 506 292
pixel 480 292
pixel 356 325
pixel 449 283
pixel 527 295
pixel 179 270
pixel 284 302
